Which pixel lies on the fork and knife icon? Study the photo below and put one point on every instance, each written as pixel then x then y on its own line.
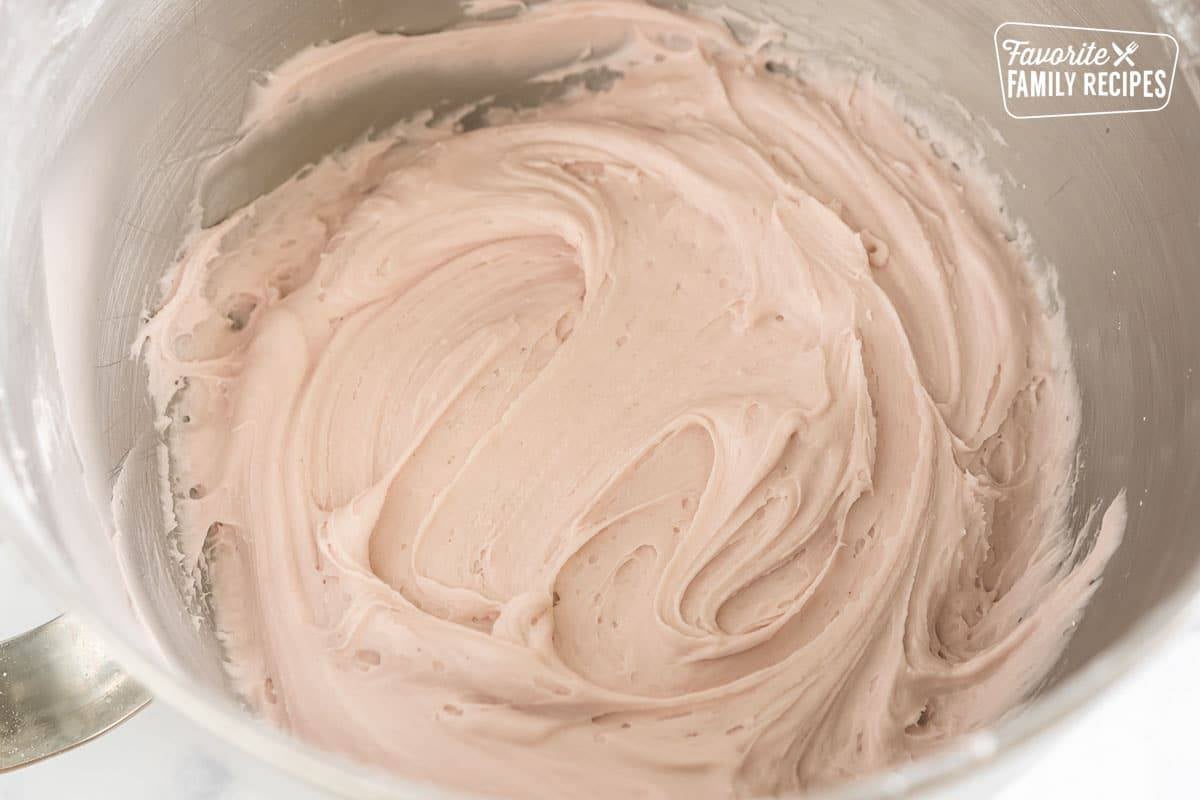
pixel 1124 55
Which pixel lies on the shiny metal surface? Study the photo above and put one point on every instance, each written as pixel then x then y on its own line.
pixel 109 109
pixel 58 688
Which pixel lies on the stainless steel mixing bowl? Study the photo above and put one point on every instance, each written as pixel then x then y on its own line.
pixel 111 107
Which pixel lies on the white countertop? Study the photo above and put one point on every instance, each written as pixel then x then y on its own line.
pixel 1137 743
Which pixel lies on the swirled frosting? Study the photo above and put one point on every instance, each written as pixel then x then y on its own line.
pixel 700 436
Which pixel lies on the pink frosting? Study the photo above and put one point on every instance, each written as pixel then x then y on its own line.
pixel 701 436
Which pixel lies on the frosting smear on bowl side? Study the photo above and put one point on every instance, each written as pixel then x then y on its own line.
pixel 697 437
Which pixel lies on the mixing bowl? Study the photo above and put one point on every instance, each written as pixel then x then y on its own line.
pixel 113 108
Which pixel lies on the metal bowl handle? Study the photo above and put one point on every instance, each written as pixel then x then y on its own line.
pixel 58 689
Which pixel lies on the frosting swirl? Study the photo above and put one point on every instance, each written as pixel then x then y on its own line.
pixel 700 436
